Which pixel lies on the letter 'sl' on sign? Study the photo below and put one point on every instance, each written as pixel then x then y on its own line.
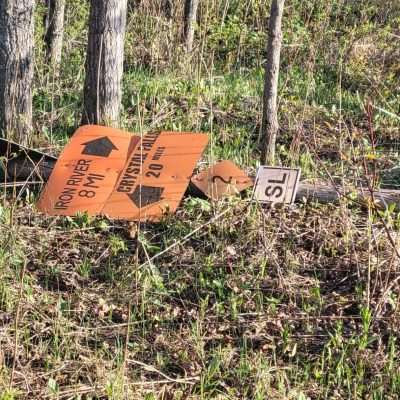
pixel 276 184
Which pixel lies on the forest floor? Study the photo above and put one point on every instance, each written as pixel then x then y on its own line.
pixel 289 302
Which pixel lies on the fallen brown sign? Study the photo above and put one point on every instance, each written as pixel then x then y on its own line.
pixel 221 180
pixel 106 171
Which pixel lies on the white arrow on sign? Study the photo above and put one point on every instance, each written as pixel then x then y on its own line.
pixel 276 184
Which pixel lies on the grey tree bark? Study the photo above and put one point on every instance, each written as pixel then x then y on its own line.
pixel 270 125
pixel 104 62
pixel 190 18
pixel 54 32
pixel 16 68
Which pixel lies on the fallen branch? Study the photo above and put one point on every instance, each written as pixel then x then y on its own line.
pixel 185 238
pixel 330 194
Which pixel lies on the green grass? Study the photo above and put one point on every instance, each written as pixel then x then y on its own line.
pixel 294 302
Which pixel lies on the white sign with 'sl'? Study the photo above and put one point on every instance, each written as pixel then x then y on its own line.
pixel 276 184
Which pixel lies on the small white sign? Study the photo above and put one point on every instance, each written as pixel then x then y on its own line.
pixel 276 184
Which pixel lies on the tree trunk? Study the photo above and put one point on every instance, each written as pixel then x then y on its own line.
pixel 104 62
pixel 16 68
pixel 54 32
pixel 270 126
pixel 168 9
pixel 190 17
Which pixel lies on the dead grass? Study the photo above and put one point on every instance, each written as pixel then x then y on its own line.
pixel 259 289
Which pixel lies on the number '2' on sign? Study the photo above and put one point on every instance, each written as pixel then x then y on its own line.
pixel 276 184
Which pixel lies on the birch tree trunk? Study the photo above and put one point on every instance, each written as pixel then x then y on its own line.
pixel 16 68
pixel 104 62
pixel 54 32
pixel 190 18
pixel 270 126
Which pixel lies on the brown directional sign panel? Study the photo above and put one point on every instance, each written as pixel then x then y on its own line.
pixel 85 174
pixel 106 171
pixel 156 176
pixel 222 179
